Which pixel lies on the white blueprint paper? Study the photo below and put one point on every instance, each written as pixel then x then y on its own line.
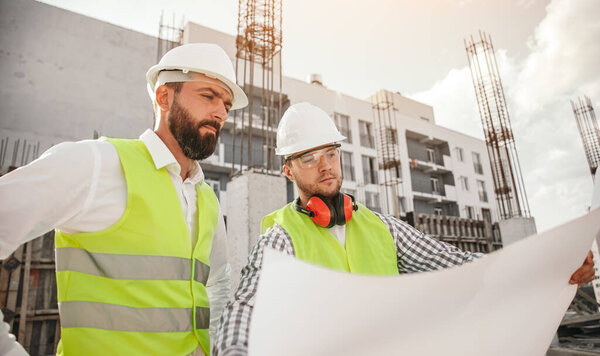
pixel 508 303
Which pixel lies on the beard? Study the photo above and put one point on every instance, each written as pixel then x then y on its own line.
pixel 187 133
pixel 311 189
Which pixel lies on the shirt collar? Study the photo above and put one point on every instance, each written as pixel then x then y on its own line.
pixel 163 158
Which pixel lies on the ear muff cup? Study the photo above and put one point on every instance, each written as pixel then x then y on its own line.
pixel 326 214
pixel 349 205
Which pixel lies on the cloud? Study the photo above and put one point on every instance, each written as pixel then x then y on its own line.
pixel 561 65
pixel 453 98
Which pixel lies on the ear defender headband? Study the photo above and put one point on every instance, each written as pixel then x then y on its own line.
pixel 326 214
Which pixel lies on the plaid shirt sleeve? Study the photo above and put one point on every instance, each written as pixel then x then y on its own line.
pixel 416 252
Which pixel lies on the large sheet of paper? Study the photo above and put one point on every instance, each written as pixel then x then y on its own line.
pixel 508 303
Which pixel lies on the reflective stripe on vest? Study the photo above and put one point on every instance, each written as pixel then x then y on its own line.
pixel 369 249
pixel 118 317
pixel 129 266
pixel 138 287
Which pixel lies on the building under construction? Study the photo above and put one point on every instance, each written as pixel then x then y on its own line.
pixel 436 179
pixel 396 159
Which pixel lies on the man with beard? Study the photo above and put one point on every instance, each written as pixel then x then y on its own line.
pixel 140 241
pixel 330 229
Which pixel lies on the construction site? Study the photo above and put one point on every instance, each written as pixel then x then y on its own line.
pixel 396 160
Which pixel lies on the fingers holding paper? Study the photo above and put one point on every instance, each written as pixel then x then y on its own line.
pixel 585 273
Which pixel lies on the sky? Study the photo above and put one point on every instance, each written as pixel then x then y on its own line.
pixel 547 53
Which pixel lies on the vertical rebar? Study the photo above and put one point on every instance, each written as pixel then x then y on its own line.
pixel 587 125
pixel 258 42
pixel 511 197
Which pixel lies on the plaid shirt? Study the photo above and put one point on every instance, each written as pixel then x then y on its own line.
pixel 416 252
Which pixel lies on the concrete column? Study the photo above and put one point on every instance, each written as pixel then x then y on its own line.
pixel 250 196
pixel 515 229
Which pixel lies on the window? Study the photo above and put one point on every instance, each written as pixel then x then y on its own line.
pixel 430 155
pixel 437 211
pixel 469 211
pixel 369 170
pixel 481 191
pixel 459 154
pixel 347 166
pixel 435 185
pixel 215 185
pixel 366 134
pixel 477 163
pixel 372 201
pixel 343 124
pixel 464 183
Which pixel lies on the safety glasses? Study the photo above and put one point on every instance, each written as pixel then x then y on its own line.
pixel 312 158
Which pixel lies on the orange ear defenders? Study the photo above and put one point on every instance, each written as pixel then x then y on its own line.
pixel 326 214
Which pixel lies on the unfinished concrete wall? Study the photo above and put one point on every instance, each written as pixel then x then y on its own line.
pixel 250 196
pixel 515 229
pixel 65 75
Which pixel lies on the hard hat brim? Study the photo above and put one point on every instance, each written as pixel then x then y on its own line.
pixel 308 144
pixel 239 100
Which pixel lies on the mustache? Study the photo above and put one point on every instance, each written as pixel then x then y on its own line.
pixel 213 123
pixel 327 176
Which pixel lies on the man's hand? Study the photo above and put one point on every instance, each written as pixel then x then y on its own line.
pixel 585 273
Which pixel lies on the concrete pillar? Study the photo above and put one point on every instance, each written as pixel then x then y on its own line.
pixel 250 196
pixel 515 229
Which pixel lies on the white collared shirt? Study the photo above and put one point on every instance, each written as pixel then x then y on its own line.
pixel 80 187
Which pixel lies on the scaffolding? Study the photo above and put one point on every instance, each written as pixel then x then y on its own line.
pixel 388 150
pixel 588 129
pixel 169 35
pixel 258 63
pixel 511 197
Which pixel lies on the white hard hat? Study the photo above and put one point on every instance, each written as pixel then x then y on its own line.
pixel 304 126
pixel 206 58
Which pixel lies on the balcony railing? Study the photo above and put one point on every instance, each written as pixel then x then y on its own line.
pixel 467 234
pixel 443 166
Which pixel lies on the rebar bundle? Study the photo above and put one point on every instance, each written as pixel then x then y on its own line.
pixel 588 129
pixel 388 151
pixel 258 62
pixel 511 197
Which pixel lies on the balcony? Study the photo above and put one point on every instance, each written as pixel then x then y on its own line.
pixel 431 198
pixel 432 167
pixel 446 196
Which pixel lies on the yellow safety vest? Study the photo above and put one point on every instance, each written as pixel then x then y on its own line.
pixel 370 247
pixel 138 287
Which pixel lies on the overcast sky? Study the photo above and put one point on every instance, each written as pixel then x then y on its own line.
pixel 547 52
